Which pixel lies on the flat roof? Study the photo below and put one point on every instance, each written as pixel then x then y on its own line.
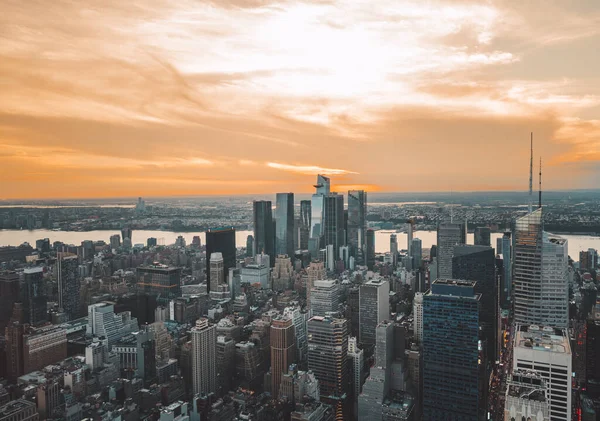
pixel 545 339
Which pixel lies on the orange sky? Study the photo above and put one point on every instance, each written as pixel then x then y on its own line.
pixel 153 98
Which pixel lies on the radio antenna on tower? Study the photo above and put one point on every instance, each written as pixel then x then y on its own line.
pixel 531 176
pixel 540 191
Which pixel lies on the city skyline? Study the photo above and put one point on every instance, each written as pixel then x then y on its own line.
pixel 240 96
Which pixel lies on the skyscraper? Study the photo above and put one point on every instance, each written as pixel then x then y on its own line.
pixel 204 357
pixel 126 232
pixel 160 280
pixel 506 293
pixel 283 350
pixel 357 224
pixel 305 215
pixel 115 241
pixel 453 383
pixel 220 240
pixel 482 236
pixel 325 297
pixel 418 317
pixel 374 304
pixel 478 263
pixel 264 234
pixel 284 224
pixel 328 359
pixel 394 248
pixel 9 294
pixel 317 210
pixel 448 236
pixel 541 290
pixel 370 249
pixel 250 246
pixel 217 271
pixel 356 363
pixel 315 272
pixel 35 299
pixel 417 252
pixel 333 221
pixel 68 286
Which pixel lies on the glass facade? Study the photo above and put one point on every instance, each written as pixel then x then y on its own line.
pixel 264 235
pixel 304 228
pixel 357 224
pixel 333 221
pixel 284 226
pixel 220 240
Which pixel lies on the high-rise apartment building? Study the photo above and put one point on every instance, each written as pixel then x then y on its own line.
pixel 325 297
pixel 9 294
pixel 217 271
pixel 394 249
pixel 588 259
pixel 478 263
pixel 482 236
pixel 35 300
pixel 374 304
pixel 453 380
pixel 68 285
pixel 417 253
pixel 284 224
pixel 160 280
pixel 221 240
pixel 418 317
pixel 370 248
pixel 547 351
pixel 304 227
pixel 448 236
pixel 264 228
pixel 204 358
pixel 283 350
pixel 357 224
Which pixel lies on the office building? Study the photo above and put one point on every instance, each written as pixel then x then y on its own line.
pixel 417 253
pixel 204 358
pixel 264 228
pixel 478 263
pixel 315 272
pixel 14 332
pixel 333 221
pixel 305 223
pixel 374 303
pixel 137 355
pixel 547 351
pixel 256 274
pixel 127 232
pixel 283 351
pixel 356 361
pixel 506 250
pixel 250 246
pixel 448 236
pixel 328 359
pixel 357 224
pixel 9 294
pixel 284 224
pixel 19 410
pixel 151 242
pixel 394 249
pixel 526 397
pixel 453 380
pixel 221 240
pixel 35 299
pixel 96 354
pixel 103 322
pixel 68 286
pixel 540 274
pixel 418 317
pixel 482 236
pixel 43 346
pixel 225 350
pixel 325 297
pixel 115 241
pixel 317 206
pixel 282 273
pixel 160 280
pixel 370 249
pixel 217 271
pixel 588 260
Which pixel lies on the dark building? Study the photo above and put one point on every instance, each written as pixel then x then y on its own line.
pixel 483 236
pixel 220 240
pixel 142 306
pixel 160 280
pixel 304 228
pixel 333 221
pixel 14 351
pixel 34 299
pixel 151 242
pixel 357 224
pixel 9 294
pixel 284 225
pixel 250 246
pixel 43 346
pixel 264 229
pixel 15 253
pixel 452 376
pixel 592 358
pixel 370 249
pixel 478 263
pixel 68 286
pixel 126 232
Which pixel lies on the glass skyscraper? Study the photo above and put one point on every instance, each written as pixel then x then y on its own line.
pixel 35 300
pixel 453 380
pixel 264 235
pixel 317 209
pixel 357 224
pixel 284 225
pixel 333 221
pixel 448 236
pixel 304 228
pixel 220 240
pixel 68 286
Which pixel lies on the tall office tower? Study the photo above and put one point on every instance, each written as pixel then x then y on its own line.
pixel 333 221
pixel 217 271
pixel 370 248
pixel 160 280
pixel 9 294
pixel 448 236
pixel 19 410
pixel 316 272
pixel 417 252
pixel 264 234
pixel 409 236
pixel 103 322
pixel 374 303
pixel 588 260
pixel 35 299
pixel 250 246
pixel 126 232
pixel 330 258
pixel 151 242
pixel 115 241
pixel 68 286
pixel 540 274
pixel 44 346
pixel 453 380
pixel 283 350
pixel 14 332
pixel 325 297
pixel 299 318
pixel 478 263
pixel 547 351
pixel 394 249
pixel 220 240
pixel 204 358
pixel 284 224
pixel 357 224
pixel 506 293
pixel 225 350
pixel 418 317
pixel 482 236
pixel 378 384
pixel 526 397
pixel 282 273
pixel 328 359
pixel 592 356
pixel 356 363
pixel 304 228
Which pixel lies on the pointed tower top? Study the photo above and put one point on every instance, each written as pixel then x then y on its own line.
pixel 531 176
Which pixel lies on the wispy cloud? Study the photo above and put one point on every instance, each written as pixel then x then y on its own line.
pixel 308 169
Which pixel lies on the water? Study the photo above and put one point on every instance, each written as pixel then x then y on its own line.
pixel 382 238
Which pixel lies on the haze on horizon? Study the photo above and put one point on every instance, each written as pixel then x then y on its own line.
pixel 125 99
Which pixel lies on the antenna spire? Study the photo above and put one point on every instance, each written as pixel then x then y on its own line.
pixel 540 191
pixel 531 175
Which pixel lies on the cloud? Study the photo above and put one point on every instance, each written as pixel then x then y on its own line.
pixel 308 169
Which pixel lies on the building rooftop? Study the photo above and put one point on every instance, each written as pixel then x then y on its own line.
pixel 455 282
pixel 15 406
pixel 546 339
pixel 399 401
pixel 37 269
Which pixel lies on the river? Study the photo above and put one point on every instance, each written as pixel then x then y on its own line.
pixel 382 238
